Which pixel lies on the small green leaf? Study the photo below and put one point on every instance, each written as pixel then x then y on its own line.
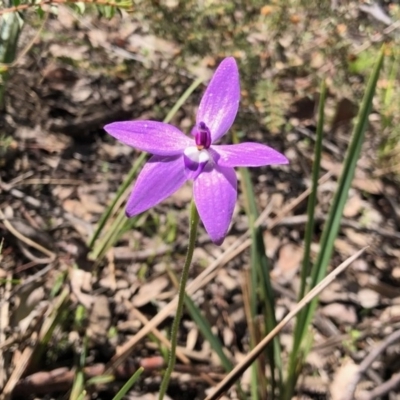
pixel 40 12
pixel 124 390
pixel 80 7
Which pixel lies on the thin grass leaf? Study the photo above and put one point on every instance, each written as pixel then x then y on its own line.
pixel 49 325
pixel 100 380
pixel 10 28
pixel 312 200
pixel 182 99
pixel 58 284
pixel 110 236
pixel 78 387
pixel 131 381
pixel 205 329
pixel 332 226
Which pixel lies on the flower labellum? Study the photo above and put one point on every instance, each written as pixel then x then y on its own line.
pixel 177 157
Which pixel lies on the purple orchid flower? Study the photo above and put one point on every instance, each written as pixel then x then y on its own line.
pixel 177 157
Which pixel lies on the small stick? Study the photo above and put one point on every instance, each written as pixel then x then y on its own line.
pixel 25 239
pixel 142 318
pixel 233 376
pixel 384 388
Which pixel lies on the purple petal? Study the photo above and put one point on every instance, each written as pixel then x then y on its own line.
pixel 151 136
pixel 220 102
pixel 248 155
pixel 159 178
pixel 215 193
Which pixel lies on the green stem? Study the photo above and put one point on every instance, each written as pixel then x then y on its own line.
pixel 312 200
pixel 194 221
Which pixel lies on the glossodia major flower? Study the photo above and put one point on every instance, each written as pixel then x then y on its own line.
pixel 177 157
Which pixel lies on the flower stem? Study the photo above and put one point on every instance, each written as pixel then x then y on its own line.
pixel 194 221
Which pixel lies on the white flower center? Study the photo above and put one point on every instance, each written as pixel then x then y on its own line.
pixel 196 155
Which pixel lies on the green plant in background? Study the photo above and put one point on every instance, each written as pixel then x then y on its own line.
pixel 390 99
pixel 271 103
pixel 10 28
pixel 12 22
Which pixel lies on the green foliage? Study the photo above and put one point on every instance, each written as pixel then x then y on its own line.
pixel 389 92
pixel 270 102
pixel 363 62
pixel 10 28
pixel 6 145
pixel 131 381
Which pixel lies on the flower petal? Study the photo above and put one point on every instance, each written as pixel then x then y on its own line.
pixel 215 193
pixel 151 136
pixel 220 102
pixel 248 155
pixel 159 178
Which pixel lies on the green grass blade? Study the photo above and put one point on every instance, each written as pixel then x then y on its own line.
pixel 312 200
pixel 100 380
pixel 332 225
pixel 131 381
pixel 182 99
pixel 207 333
pixel 107 240
pixel 78 387
pixel 51 322
pixel 10 28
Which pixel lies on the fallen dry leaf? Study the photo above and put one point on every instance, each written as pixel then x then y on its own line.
pixel 79 279
pixel 149 291
pixel 99 319
pixel 368 298
pixel 343 380
pixel 341 313
pixel 353 206
pixel 288 263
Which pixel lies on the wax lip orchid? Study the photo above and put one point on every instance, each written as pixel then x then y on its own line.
pixel 177 157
